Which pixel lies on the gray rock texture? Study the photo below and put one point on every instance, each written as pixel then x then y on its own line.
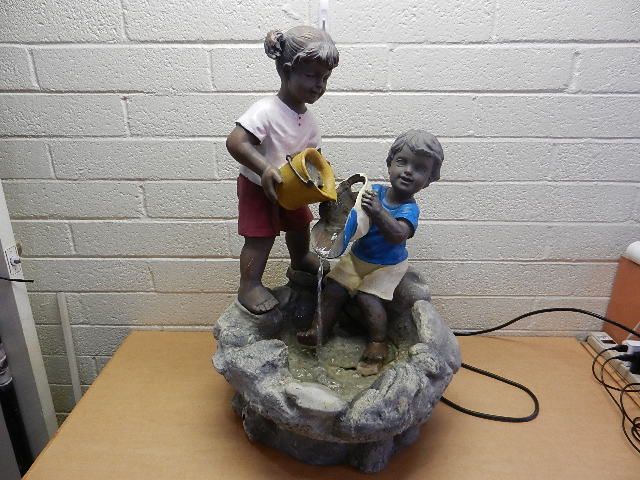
pixel 314 406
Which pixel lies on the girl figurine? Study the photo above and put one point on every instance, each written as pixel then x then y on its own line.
pixel 265 134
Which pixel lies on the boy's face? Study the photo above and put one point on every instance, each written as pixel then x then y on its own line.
pixel 307 81
pixel 410 172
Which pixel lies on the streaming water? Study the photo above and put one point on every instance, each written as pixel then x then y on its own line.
pixel 318 318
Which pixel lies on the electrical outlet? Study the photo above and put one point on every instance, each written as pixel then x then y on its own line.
pixel 600 341
pixel 13 261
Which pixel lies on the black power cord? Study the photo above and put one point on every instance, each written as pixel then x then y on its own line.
pixel 549 310
pixel 489 416
pixel 634 436
pixel 18 280
pixel 617 348
pixel 635 422
pixel 536 410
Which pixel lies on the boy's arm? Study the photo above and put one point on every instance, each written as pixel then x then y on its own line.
pixel 392 229
pixel 241 144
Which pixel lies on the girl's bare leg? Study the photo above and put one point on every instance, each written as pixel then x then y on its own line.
pixel 253 260
pixel 301 258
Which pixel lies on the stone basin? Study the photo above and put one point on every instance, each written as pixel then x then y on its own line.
pixel 312 404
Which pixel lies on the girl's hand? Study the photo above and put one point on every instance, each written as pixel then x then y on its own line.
pixel 270 179
pixel 371 204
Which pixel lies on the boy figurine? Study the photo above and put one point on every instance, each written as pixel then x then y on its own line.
pixel 373 268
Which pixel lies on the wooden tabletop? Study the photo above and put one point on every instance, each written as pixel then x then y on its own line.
pixel 160 411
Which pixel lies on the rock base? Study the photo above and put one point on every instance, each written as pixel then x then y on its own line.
pixel 369 457
pixel 313 405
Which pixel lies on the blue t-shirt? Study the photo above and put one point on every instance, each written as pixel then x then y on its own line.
pixel 373 248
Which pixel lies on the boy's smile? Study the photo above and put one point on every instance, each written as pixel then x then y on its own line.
pixel 409 172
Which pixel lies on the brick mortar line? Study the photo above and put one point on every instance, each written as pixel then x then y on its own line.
pixel 394 45
pixel 232 181
pixel 33 71
pixel 233 219
pixel 226 43
pixel 73 238
pixel 218 139
pixel 444 297
pixel 137 327
pixel 60 355
pixel 123 21
pixel 573 75
pixel 143 198
pixel 494 21
pixel 212 81
pixel 66 384
pixel 335 138
pixel 636 210
pixel 209 260
pixel 284 259
pixel 220 222
pixel 125 113
pixel 203 292
pixel 51 162
pixel 154 284
pixel 532 93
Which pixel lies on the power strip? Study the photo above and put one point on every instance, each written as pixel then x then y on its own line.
pixel 600 341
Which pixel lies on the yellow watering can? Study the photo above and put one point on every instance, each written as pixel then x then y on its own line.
pixel 306 178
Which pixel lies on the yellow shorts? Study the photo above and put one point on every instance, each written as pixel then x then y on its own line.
pixel 359 276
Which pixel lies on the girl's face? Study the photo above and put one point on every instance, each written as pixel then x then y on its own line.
pixel 307 81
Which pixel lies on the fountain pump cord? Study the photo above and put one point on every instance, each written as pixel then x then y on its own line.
pixel 635 430
pixel 633 434
pixel 18 280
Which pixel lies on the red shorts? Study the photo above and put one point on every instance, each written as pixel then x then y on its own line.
pixel 259 217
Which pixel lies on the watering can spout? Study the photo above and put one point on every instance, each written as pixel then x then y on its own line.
pixel 306 178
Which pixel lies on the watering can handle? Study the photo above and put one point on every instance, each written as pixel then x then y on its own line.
pixel 307 181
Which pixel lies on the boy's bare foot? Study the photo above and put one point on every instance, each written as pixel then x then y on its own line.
pixel 257 299
pixel 373 358
pixel 308 337
pixel 375 352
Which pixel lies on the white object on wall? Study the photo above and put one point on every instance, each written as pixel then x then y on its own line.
pixel 633 252
pixel 323 15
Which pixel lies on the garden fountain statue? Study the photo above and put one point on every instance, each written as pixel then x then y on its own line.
pixel 341 366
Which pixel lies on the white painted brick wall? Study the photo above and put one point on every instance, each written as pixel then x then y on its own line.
pixel 60 21
pixel 410 21
pixel 563 20
pixel 59 199
pixel 147 308
pixel 151 239
pixel 57 115
pixel 247 68
pixel 44 239
pixel 608 70
pixel 24 159
pixel 131 159
pixel 138 69
pixel 169 20
pixel 481 69
pixel 45 308
pixel 114 113
pixel 15 72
